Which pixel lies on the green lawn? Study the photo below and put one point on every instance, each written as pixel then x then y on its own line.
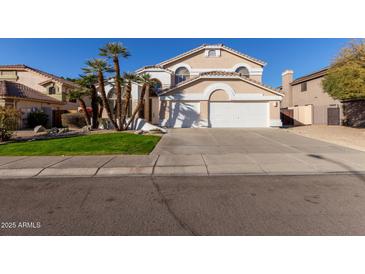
pixel 94 144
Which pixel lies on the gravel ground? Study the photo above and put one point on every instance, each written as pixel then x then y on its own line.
pixel 339 135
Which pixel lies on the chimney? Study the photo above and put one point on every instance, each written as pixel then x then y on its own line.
pixel 286 79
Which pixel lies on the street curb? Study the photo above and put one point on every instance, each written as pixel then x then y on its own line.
pixel 142 171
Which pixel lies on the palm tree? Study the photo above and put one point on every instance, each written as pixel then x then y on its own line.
pixel 128 78
pixel 89 81
pixel 79 94
pixel 98 67
pixel 113 51
pixel 146 82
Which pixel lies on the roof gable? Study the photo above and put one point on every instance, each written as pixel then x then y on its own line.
pixel 204 47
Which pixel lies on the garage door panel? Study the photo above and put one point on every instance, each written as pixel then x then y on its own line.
pixel 184 114
pixel 238 114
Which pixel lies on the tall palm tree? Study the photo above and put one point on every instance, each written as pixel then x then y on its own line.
pixel 79 94
pixel 89 81
pixel 113 51
pixel 98 67
pixel 128 78
pixel 146 82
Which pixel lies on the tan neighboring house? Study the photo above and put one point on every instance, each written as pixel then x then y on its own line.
pixel 306 102
pixel 210 86
pixel 28 89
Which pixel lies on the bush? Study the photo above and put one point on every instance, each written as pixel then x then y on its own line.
pixel 9 119
pixel 37 118
pixel 73 120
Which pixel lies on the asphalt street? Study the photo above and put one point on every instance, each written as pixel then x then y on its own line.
pixel 186 205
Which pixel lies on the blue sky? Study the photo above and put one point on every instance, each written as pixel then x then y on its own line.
pixel 65 57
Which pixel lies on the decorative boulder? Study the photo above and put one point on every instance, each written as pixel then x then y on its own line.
pixel 86 129
pixel 39 129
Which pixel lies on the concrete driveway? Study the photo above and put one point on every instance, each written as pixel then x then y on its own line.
pixel 251 151
pixel 226 141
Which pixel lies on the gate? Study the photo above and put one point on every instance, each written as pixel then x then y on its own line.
pixel 56 117
pixel 333 116
pixel 287 117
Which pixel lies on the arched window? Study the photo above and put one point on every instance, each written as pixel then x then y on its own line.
pixel 181 74
pixel 243 71
pixel 51 90
pixel 156 87
pixel 212 53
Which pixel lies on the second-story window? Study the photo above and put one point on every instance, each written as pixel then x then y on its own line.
pixel 156 86
pixel 212 53
pixel 181 74
pixel 243 71
pixel 303 86
pixel 51 90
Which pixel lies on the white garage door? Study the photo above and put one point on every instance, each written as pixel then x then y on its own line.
pixel 184 114
pixel 238 114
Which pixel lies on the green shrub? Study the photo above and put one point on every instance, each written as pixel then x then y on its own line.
pixel 9 119
pixel 73 120
pixel 36 118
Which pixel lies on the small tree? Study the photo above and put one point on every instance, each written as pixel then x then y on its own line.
pixel 9 119
pixel 79 94
pixel 88 82
pixel 345 78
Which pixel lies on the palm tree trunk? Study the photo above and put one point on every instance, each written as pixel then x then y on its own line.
pixel 84 109
pixel 127 98
pixel 118 93
pixel 95 106
pixel 105 100
pixel 139 105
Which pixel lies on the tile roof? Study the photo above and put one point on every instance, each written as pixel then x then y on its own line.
pixel 204 46
pixel 53 77
pixel 12 89
pixel 154 67
pixel 224 74
pixel 311 76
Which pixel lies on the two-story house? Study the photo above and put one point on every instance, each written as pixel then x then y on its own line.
pixel 211 86
pixel 27 89
pixel 306 102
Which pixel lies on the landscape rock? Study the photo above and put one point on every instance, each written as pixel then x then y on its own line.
pixel 86 129
pixel 39 129
pixel 141 124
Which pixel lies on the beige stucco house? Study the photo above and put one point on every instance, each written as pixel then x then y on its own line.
pixel 211 86
pixel 27 89
pixel 306 101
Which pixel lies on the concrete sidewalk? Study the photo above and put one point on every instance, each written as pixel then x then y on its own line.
pixel 194 164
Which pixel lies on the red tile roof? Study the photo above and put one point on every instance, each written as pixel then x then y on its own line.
pixel 12 89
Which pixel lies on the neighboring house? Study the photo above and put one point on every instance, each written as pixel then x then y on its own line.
pixel 210 86
pixel 28 89
pixel 305 101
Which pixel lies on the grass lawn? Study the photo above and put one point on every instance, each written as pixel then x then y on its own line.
pixel 93 144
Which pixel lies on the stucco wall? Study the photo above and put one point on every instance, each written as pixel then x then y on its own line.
pixel 238 85
pixel 219 95
pixel 314 94
pixel 274 111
